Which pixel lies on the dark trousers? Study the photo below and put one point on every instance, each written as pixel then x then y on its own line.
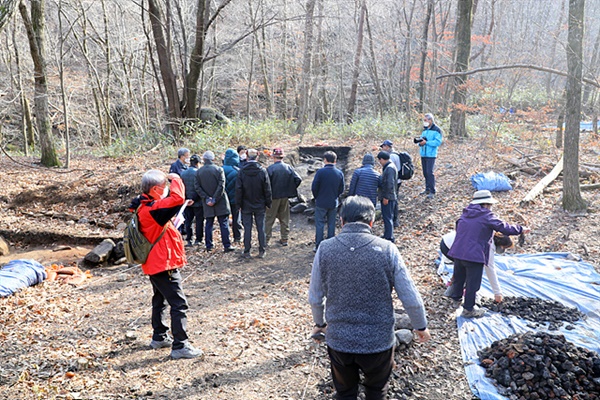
pixel 324 216
pixel 376 368
pixel 259 218
pixel 191 214
pixel 223 226
pixel 167 289
pixel 387 214
pixel 467 275
pixel 428 163
pixel 236 221
pixel 396 223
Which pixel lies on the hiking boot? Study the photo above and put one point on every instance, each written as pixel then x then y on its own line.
pixel 229 249
pixel 474 313
pixel 189 243
pixel 430 196
pixel 237 241
pixel 160 344
pixel 424 192
pixel 261 254
pixel 197 243
pixel 209 249
pixel 283 242
pixel 188 351
pixel 246 255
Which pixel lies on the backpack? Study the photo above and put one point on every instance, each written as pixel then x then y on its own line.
pixel 407 169
pixel 135 244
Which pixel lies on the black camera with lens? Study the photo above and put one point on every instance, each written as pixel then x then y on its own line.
pixel 418 139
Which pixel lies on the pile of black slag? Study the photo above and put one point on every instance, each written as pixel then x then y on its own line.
pixel 536 310
pixel 542 366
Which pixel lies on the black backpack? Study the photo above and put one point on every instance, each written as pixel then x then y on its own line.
pixel 407 169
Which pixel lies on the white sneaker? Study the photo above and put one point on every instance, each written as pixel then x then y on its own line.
pixel 188 351
pixel 159 344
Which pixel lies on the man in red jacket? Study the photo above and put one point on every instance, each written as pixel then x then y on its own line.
pixel 156 208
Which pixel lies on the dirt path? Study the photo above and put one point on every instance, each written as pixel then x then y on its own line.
pixel 250 317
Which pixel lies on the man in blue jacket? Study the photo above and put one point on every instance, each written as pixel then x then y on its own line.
pixel 365 180
pixel 430 140
pixel 231 167
pixel 326 188
pixel 183 159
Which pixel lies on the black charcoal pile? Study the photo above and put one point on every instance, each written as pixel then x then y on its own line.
pixel 536 310
pixel 540 365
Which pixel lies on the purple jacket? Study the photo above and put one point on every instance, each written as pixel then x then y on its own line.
pixel 474 231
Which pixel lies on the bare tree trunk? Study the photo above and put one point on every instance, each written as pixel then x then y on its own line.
pixel 7 8
pixel 560 128
pixel 61 73
pixel 424 42
pixel 284 65
pixel 260 47
pixel 26 122
pixel 250 78
pixel 356 70
pixel 306 67
pixel 463 51
pixel 34 26
pixel 572 200
pixel 375 73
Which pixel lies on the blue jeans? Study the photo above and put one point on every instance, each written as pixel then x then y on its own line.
pixel 428 163
pixel 322 216
pixel 223 226
pixel 387 213
pixel 259 218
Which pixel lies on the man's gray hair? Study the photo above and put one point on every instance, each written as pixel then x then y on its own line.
pixel 430 117
pixel 152 178
pixel 357 209
pixel 181 152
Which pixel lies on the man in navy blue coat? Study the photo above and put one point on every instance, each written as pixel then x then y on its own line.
pixel 327 187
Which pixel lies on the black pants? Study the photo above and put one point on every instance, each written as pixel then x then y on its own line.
pixel 259 218
pixel 467 274
pixel 167 289
pixel 190 214
pixel 236 221
pixel 376 368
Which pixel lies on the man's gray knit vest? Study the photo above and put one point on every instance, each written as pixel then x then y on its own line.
pixel 359 278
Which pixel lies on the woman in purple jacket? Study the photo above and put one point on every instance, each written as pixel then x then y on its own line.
pixel 471 248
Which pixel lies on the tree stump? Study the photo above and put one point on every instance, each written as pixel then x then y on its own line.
pixel 100 253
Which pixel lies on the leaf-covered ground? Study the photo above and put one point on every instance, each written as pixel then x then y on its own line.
pixel 251 317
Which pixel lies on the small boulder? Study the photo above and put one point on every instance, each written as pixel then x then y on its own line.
pixel 403 336
pixel 402 322
pixel 4 250
pixel 299 208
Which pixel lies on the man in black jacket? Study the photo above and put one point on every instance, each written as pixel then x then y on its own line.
pixel 387 194
pixel 284 184
pixel 253 192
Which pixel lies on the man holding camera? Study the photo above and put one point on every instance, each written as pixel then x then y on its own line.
pixel 429 141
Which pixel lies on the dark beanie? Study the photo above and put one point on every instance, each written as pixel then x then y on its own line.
pixel 383 155
pixel 368 159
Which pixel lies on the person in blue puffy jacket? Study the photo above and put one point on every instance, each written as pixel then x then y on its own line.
pixel 231 167
pixel 429 141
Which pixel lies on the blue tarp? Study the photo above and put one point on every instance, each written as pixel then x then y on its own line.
pixel 548 276
pixel 18 274
pixel 492 181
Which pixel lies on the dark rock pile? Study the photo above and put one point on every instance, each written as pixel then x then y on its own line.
pixel 542 366
pixel 536 310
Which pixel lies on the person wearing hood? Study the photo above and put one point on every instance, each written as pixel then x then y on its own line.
pixel 365 180
pixel 253 194
pixel 231 167
pixel 210 185
pixel 471 249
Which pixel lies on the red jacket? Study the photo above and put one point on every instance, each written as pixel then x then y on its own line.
pixel 169 252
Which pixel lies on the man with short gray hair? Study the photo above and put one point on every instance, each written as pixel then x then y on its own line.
pixel 351 298
pixel 183 159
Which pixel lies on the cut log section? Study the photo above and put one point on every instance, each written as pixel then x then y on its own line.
pixel 101 252
pixel 545 181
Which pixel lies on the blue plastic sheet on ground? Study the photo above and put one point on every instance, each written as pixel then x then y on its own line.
pixel 18 274
pixel 548 276
pixel 492 181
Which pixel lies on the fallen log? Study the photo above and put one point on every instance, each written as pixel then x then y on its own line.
pixel 591 186
pixel 545 181
pixel 518 163
pixel 101 252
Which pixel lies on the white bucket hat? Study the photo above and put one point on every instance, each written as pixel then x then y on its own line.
pixel 483 197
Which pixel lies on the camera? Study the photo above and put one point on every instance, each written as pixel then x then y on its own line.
pixel 418 139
